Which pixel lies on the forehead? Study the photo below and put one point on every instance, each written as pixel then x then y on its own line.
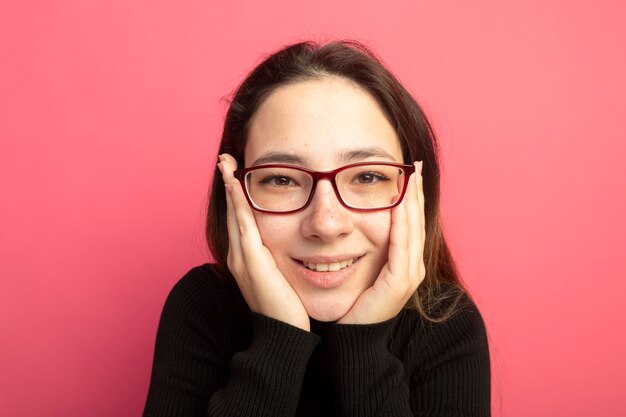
pixel 321 121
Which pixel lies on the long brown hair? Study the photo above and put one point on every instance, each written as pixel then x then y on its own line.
pixel 439 296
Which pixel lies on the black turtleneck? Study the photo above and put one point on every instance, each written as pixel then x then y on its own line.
pixel 213 357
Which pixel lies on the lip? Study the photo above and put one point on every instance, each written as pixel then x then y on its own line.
pixel 327 259
pixel 328 279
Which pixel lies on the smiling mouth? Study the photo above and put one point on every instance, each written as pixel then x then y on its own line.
pixel 330 267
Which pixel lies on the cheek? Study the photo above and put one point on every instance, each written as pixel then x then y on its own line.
pixel 376 226
pixel 277 232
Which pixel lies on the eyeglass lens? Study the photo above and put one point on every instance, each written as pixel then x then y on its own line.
pixel 281 189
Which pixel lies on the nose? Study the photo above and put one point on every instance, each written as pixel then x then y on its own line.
pixel 325 217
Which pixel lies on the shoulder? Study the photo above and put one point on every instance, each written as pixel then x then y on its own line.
pixel 203 287
pixel 450 356
pixel 463 331
pixel 205 304
pixel 453 308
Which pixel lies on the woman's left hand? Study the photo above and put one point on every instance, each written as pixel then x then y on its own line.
pixel 404 271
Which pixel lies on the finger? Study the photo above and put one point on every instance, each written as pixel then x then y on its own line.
pixel 399 241
pixel 234 245
pixel 244 228
pixel 249 237
pixel 422 223
pixel 227 165
pixel 414 227
pixel 250 240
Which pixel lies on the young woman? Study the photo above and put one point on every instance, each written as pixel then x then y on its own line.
pixel 333 292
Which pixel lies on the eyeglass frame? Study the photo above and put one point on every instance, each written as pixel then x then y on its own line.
pixel 316 176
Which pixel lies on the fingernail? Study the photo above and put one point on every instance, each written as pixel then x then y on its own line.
pixel 219 166
pixel 419 167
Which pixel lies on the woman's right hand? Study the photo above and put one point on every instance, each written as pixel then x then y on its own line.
pixel 263 286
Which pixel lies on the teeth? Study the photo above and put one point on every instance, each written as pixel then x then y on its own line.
pixel 332 267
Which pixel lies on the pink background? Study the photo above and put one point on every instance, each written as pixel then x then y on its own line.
pixel 109 116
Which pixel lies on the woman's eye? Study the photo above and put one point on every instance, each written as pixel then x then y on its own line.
pixel 283 181
pixel 370 178
pixel 278 181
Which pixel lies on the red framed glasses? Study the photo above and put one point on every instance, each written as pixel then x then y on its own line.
pixel 366 186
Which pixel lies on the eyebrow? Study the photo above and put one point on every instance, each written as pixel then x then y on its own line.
pixel 354 155
pixel 279 158
pixel 365 153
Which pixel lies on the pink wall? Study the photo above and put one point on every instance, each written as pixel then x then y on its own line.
pixel 109 116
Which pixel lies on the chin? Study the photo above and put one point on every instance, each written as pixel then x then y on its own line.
pixel 327 311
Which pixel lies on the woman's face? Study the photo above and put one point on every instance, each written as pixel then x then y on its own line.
pixel 324 124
